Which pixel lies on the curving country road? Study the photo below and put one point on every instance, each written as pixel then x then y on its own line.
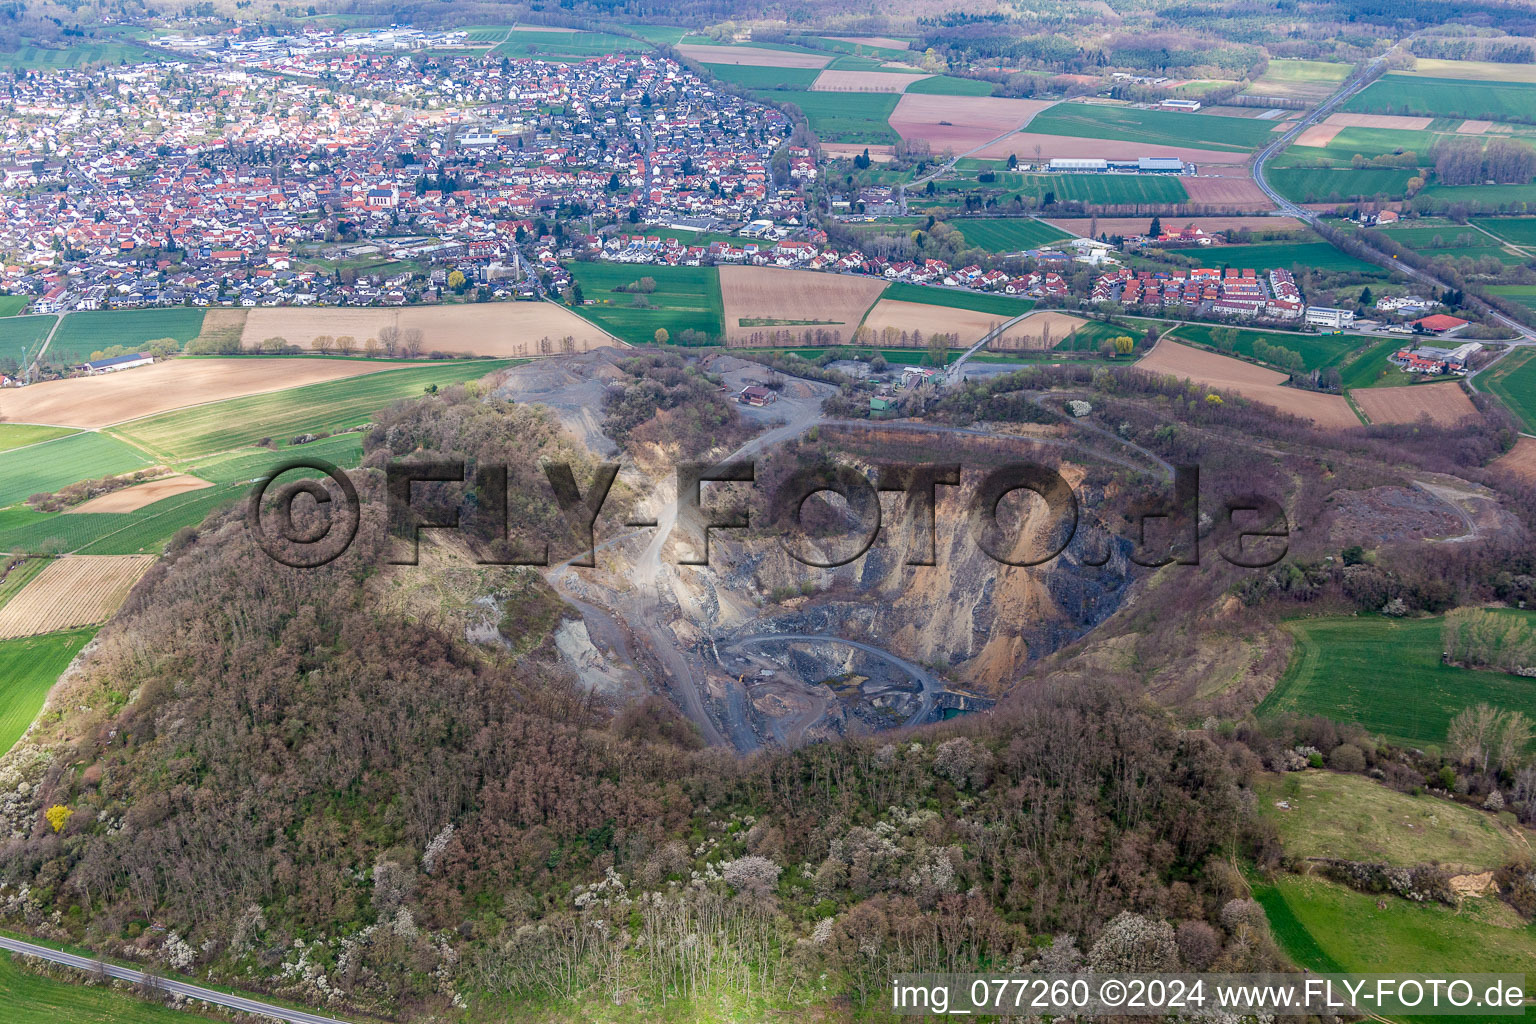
pixel 1350 87
pixel 181 988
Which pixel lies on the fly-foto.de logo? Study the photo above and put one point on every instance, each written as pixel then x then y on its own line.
pixel 311 521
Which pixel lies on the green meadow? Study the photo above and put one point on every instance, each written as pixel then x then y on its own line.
pixel 685 298
pixel 1386 674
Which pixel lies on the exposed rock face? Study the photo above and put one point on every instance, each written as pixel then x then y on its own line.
pixel 972 616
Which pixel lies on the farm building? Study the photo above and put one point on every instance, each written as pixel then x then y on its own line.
pixel 126 362
pixel 1184 106
pixel 1426 359
pixel 1160 165
pixel 1078 164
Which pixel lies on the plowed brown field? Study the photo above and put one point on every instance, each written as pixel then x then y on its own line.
pixel 1224 373
pixel 76 590
pixel 772 299
pixel 479 329
pixel 1445 404
pixel 131 499
pixel 175 384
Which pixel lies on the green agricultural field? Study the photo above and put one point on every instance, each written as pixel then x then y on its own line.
pixel 1457 241
pixel 1326 927
pixel 66 460
pixel 147 530
pixel 1284 255
pixel 856 62
pixel 40 58
pixel 1386 674
pixel 1316 350
pixel 1516 230
pixel 22 336
pixel 1091 335
pixel 35 999
pixel 1008 234
pixel 844 46
pixel 531 43
pixel 669 35
pixel 1095 188
pixel 1337 185
pixel 1419 96
pixel 19 435
pixel 1501 198
pixel 1002 305
pixel 1351 817
pixel 1367 142
pixel 1370 368
pixel 1513 378
pixel 11 305
pixel 847 116
pixel 1158 127
pixel 751 76
pixel 331 406
pixel 948 85
pixel 1300 79
pixel 685 298
pixel 29 666
pixel 83 333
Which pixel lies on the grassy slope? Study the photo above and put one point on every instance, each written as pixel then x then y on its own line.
pixel 1387 675
pixel 1514 381
pixel 33 999
pixel 329 406
pixel 1354 818
pixel 28 668
pixel 1345 930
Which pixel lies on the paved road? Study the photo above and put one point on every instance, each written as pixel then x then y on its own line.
pixel 181 988
pixel 953 369
pixel 927 680
pixel 1351 86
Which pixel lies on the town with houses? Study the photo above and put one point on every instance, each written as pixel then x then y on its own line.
pixel 270 175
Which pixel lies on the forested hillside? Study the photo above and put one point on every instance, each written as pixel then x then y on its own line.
pixel 308 782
